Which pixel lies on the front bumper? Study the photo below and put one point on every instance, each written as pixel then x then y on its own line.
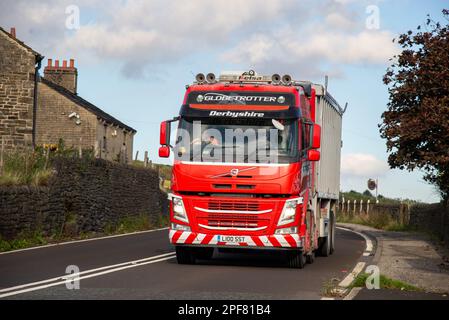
pixel 178 237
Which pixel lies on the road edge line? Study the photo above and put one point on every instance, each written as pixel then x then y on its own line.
pixel 354 273
pixel 83 240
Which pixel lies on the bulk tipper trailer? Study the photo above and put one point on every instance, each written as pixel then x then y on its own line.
pixel 256 165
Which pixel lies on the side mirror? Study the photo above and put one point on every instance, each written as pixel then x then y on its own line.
pixel 164 152
pixel 164 136
pixel 313 155
pixel 316 138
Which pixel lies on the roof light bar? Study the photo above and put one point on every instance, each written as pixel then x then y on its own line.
pixel 241 77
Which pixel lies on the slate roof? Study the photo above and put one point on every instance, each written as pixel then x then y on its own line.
pixel 87 105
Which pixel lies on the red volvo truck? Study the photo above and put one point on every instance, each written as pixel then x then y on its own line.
pixel 256 165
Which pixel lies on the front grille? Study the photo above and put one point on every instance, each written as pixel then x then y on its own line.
pixel 234 220
pixel 233 205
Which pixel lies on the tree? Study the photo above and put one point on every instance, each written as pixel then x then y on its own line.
pixel 367 193
pixel 416 123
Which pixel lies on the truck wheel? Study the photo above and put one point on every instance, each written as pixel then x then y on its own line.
pixel 204 253
pixel 332 233
pixel 296 259
pixel 310 256
pixel 325 245
pixel 184 255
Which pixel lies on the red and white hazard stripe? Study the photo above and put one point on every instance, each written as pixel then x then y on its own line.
pixel 187 237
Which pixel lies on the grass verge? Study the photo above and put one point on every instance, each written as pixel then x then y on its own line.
pixel 384 283
pixel 381 221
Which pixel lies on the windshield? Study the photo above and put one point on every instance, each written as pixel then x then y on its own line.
pixel 237 140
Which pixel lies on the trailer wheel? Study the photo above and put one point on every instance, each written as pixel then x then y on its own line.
pixel 184 255
pixel 296 259
pixel 325 245
pixel 332 233
pixel 204 253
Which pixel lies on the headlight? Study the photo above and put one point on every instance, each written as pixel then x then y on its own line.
pixel 289 211
pixel 179 211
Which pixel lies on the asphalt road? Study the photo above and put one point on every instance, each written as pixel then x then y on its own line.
pixel 250 275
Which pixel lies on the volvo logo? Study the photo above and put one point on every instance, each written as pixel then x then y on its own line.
pixel 232 172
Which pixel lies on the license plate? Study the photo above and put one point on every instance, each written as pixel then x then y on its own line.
pixel 231 239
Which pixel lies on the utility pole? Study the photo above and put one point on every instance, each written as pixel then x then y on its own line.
pixel 377 188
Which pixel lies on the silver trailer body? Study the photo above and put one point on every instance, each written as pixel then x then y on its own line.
pixel 329 116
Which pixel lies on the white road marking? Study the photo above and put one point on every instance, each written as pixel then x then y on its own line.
pixel 360 266
pixel 351 295
pixel 354 273
pixel 84 240
pixel 90 273
pixel 369 243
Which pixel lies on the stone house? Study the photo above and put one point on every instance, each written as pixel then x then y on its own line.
pixel 36 110
pixel 62 113
pixel 19 65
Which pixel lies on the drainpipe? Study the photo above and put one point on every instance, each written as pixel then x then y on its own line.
pixel 36 80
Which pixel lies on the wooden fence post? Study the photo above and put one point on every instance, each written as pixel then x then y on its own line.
pixel 145 159
pixel 80 149
pixel 97 151
pixel 137 154
pixel 361 206
pixel 47 156
pixel 367 206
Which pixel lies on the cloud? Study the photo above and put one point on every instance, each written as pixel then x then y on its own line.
pixel 312 54
pixel 362 165
pixel 280 35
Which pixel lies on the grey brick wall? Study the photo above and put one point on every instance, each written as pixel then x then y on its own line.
pixel 97 192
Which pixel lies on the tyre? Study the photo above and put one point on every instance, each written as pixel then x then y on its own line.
pixel 332 233
pixel 310 255
pixel 184 255
pixel 296 259
pixel 203 253
pixel 325 246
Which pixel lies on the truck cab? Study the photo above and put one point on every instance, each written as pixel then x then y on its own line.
pixel 245 169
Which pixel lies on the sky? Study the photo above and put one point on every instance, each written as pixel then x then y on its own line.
pixel 135 57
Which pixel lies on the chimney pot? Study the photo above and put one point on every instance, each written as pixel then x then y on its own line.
pixel 13 32
pixel 62 74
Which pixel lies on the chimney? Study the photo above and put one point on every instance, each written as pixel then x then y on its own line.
pixel 65 75
pixel 13 32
